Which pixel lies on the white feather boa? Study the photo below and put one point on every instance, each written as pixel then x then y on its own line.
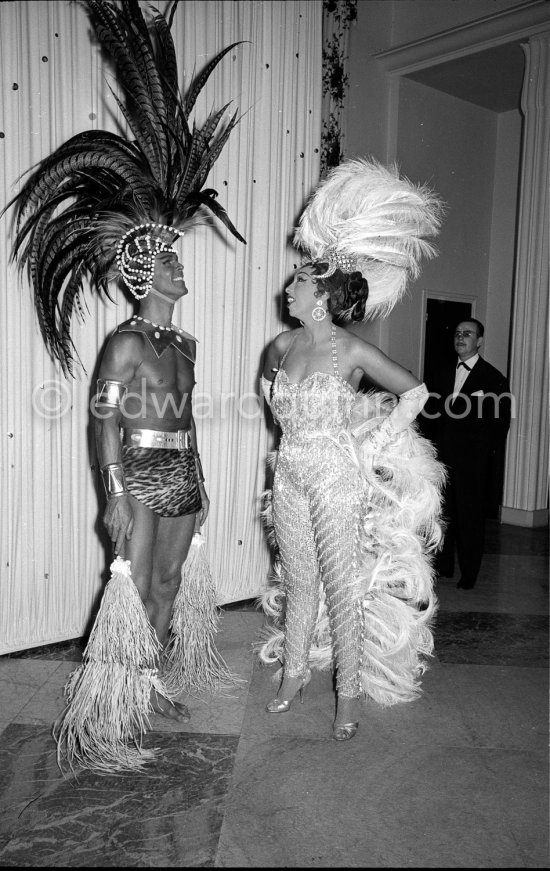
pixel 400 532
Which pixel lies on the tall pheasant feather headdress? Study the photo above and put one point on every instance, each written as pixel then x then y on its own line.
pixel 103 204
pixel 363 217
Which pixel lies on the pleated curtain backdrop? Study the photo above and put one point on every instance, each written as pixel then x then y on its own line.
pixel 53 84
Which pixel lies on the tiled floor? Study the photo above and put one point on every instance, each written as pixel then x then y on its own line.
pixel 457 779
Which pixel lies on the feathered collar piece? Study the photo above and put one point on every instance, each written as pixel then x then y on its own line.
pixel 161 338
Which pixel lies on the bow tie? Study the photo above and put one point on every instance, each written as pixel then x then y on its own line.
pixel 468 368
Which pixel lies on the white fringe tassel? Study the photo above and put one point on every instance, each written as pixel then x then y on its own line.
pixel 191 660
pixel 109 694
pixel 400 533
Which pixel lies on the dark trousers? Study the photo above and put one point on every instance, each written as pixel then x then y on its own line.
pixel 464 509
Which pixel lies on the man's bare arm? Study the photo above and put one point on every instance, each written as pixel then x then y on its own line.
pixel 117 370
pixel 203 513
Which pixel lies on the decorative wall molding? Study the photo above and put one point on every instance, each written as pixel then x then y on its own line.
pixel 526 479
pixel 505 26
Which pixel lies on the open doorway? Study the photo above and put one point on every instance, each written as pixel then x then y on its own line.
pixel 441 317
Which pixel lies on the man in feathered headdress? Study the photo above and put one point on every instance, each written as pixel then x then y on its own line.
pixel 111 208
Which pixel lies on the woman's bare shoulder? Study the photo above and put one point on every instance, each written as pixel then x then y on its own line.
pixel 275 350
pixel 283 340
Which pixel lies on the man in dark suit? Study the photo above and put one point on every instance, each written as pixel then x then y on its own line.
pixel 468 416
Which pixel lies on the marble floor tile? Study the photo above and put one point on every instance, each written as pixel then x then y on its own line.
pixel 169 817
pixel 71 650
pixel 47 702
pixel 26 671
pixel 21 682
pixel 474 706
pixel 237 631
pixel 468 705
pixel 457 778
pixel 219 713
pixel 222 712
pixel 305 803
pixel 506 584
pixel 491 639
pixel 521 540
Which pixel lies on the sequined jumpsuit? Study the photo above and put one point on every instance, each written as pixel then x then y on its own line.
pixel 317 498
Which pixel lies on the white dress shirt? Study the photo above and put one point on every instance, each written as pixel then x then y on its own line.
pixel 462 373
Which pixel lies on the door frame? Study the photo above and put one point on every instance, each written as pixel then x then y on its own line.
pixel 445 297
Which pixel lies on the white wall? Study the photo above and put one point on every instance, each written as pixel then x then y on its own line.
pixel 469 154
pixel 450 145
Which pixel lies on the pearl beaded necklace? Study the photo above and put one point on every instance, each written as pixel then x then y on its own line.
pixel 157 326
pixel 170 328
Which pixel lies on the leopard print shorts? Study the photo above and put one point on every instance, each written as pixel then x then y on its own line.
pixel 163 480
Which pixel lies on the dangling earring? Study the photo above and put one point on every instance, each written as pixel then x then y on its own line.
pixel 318 313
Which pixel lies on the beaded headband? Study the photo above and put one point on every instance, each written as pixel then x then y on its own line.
pixel 136 252
pixel 345 262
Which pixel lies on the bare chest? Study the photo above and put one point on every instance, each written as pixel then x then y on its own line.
pixel 161 389
pixel 170 371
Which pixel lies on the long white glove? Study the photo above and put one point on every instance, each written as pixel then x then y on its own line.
pixel 409 406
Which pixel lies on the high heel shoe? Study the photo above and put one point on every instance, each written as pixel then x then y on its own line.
pixel 344 731
pixel 347 708
pixel 278 706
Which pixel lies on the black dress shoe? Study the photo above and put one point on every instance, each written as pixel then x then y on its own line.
pixel 465 585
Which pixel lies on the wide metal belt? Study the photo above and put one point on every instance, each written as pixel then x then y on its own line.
pixel 152 438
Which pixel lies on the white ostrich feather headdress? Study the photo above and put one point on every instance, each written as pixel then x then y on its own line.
pixel 365 217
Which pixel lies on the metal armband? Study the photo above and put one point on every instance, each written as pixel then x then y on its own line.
pixel 110 394
pixel 114 480
pixel 200 473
